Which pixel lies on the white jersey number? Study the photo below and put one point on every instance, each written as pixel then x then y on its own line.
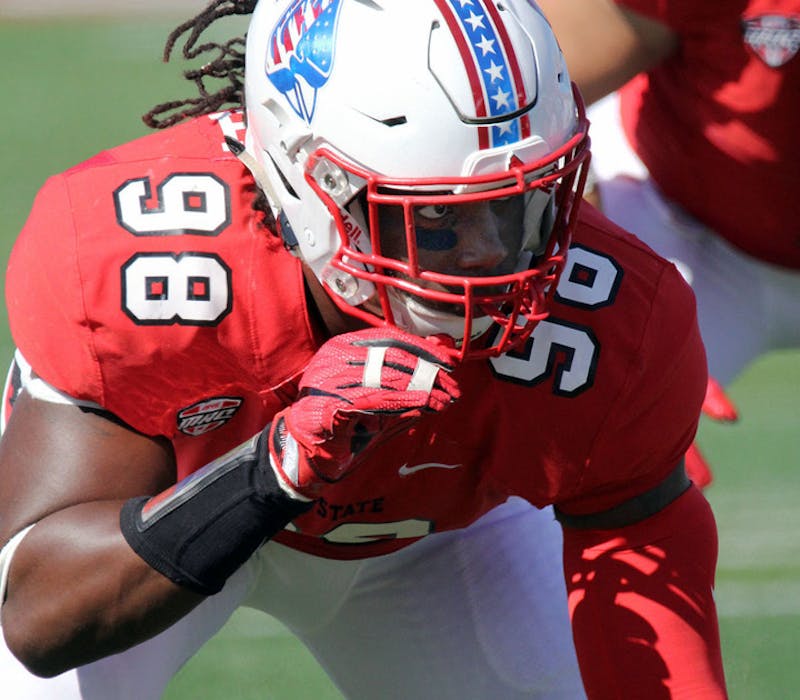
pixel 566 352
pixel 193 203
pixel 168 288
pixel 364 533
pixel 188 288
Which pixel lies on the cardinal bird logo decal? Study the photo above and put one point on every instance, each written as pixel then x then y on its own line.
pixel 301 51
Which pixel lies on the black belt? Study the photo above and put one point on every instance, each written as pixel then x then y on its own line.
pixel 634 509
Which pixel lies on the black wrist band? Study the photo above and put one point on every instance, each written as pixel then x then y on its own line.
pixel 198 532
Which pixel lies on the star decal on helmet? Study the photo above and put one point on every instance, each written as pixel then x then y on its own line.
pixel 492 66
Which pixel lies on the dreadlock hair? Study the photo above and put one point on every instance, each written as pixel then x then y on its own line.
pixel 226 64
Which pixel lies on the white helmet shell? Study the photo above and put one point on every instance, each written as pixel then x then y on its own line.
pixel 413 91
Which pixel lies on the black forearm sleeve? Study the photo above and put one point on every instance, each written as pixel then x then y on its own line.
pixel 198 532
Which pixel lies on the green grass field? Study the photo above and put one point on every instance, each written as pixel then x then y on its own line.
pixel 72 88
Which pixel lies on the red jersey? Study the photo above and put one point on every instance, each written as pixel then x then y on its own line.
pixel 143 282
pixel 716 123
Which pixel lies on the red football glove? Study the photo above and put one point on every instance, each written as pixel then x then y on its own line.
pixel 718 407
pixel 358 389
pixel 697 468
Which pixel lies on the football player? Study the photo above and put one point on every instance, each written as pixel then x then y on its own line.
pixel 320 357
pixel 697 153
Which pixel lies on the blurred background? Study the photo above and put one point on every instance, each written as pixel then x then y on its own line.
pixel 76 76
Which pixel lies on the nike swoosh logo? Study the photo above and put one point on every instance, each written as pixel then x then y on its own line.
pixel 405 470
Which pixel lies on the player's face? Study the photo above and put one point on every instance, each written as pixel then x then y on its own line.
pixel 472 239
pixel 457 259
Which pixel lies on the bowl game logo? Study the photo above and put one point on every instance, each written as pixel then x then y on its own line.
pixel 774 38
pixel 300 52
pixel 204 416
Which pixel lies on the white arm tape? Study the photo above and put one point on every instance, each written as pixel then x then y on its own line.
pixel 40 389
pixel 6 555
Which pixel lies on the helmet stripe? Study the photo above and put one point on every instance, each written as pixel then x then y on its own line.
pixel 516 72
pixel 492 68
pixel 457 31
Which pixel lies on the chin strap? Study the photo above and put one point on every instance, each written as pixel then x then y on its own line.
pixel 256 169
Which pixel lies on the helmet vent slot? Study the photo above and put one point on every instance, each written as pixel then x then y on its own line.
pixel 394 121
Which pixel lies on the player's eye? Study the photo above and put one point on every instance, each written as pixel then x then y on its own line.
pixel 432 212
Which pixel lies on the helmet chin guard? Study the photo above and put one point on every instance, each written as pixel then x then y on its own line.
pixel 398 141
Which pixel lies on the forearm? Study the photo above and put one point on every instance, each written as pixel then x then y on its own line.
pixel 606 45
pixel 93 579
pixel 78 592
pixel 90 580
pixel 642 607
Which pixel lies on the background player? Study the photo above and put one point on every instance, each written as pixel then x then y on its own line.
pixel 187 349
pixel 696 153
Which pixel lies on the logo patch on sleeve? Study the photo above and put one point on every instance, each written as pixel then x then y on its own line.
pixel 204 416
pixel 774 38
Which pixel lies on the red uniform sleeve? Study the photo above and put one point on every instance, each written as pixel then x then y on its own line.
pixel 45 269
pixel 142 281
pixel 673 13
pixel 642 608
pixel 653 419
pixel 715 122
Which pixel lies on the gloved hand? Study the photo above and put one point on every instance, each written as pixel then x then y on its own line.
pixel 359 389
pixel 719 407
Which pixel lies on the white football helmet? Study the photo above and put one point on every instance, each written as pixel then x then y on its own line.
pixel 381 130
